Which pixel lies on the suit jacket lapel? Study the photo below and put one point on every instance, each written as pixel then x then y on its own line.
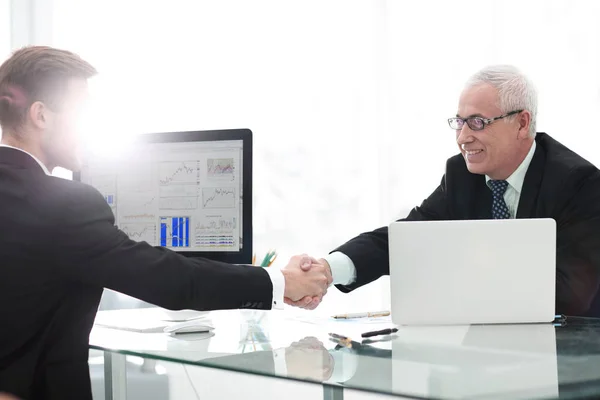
pixel 483 198
pixel 473 197
pixel 531 184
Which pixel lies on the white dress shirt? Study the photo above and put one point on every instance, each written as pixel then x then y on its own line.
pixel 343 270
pixel 515 184
pixel 275 274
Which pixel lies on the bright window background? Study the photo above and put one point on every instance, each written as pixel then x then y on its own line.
pixel 347 99
pixel 4 29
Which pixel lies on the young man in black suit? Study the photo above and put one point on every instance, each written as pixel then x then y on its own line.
pixel 505 170
pixel 60 248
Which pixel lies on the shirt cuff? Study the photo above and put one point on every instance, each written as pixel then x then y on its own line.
pixel 279 362
pixel 278 282
pixel 343 270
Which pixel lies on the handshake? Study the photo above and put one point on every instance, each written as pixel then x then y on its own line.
pixel 306 281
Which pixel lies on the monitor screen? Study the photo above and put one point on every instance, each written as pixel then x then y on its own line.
pixel 187 191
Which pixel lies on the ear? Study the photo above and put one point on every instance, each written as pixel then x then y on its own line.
pixel 39 115
pixel 524 121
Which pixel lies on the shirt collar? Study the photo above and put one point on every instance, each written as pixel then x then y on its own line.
pixel 30 155
pixel 516 179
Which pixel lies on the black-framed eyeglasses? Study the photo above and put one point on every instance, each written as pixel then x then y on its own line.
pixel 476 123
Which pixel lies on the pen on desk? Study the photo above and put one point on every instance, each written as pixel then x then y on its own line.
pixel 363 315
pixel 346 341
pixel 254 259
pixel 381 332
pixel 272 259
pixel 336 336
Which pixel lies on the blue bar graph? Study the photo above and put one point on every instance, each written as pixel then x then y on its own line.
pixel 175 231
pixel 163 234
pixel 180 235
pixel 187 234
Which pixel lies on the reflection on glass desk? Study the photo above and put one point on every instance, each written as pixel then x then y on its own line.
pixel 447 362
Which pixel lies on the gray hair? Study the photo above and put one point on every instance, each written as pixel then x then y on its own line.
pixel 515 90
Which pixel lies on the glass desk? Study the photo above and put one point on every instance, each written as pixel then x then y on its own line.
pixel 536 361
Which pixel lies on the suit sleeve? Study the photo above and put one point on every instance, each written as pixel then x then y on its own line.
pixel 370 252
pixel 88 248
pixel 578 249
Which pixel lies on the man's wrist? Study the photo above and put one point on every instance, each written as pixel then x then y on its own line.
pixel 342 268
pixel 328 267
pixel 279 287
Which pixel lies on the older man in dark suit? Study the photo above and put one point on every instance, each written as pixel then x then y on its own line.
pixel 504 170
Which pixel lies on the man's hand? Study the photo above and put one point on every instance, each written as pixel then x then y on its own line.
pixel 311 302
pixel 305 277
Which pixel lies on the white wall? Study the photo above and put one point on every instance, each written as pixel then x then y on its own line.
pixel 4 28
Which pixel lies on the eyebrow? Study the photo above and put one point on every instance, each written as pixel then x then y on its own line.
pixel 472 116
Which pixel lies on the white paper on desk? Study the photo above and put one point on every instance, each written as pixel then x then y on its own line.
pixel 134 325
pixel 144 320
pixel 317 320
pixel 351 327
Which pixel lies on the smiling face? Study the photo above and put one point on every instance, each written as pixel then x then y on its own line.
pixel 499 148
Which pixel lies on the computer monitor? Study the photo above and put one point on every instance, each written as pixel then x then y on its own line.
pixel 188 191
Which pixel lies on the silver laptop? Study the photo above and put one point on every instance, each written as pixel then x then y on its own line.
pixel 473 271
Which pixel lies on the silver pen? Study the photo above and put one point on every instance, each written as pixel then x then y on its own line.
pixel 363 315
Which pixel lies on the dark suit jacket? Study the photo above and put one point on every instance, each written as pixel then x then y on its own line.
pixel 58 249
pixel 558 184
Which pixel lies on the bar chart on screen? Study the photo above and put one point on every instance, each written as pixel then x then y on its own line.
pixel 175 231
